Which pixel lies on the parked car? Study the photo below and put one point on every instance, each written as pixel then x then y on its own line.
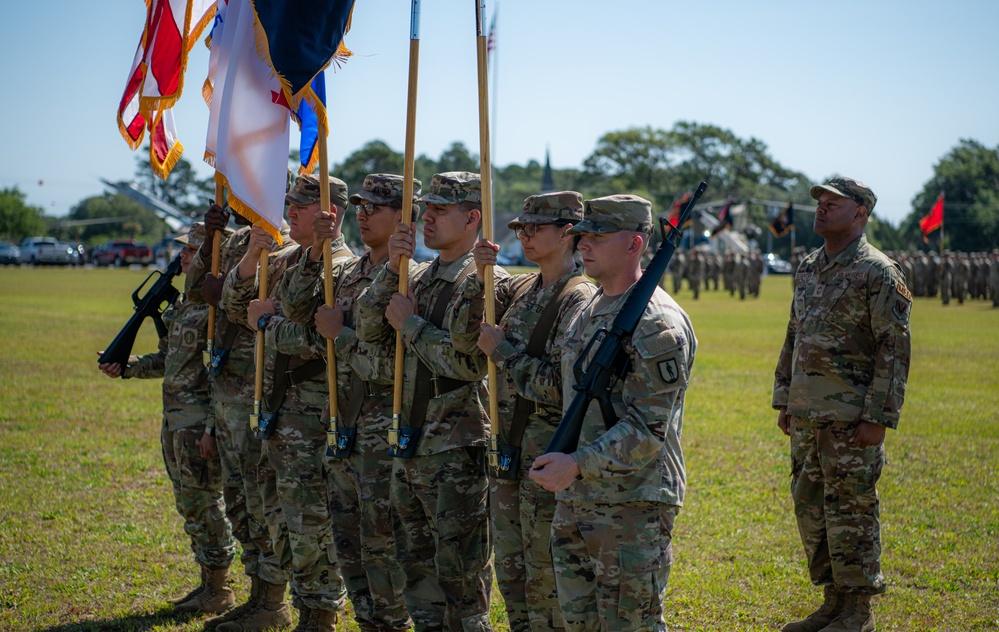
pixel 776 265
pixel 122 252
pixel 10 255
pixel 42 250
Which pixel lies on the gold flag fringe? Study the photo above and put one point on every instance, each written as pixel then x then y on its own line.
pixel 243 209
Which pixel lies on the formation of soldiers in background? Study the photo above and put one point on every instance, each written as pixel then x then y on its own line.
pixel 740 274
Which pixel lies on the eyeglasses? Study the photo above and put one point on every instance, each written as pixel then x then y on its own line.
pixel 527 230
pixel 368 209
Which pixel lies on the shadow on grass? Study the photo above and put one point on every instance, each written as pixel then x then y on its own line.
pixel 135 623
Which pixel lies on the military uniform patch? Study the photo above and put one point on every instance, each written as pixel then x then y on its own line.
pixel 901 309
pixel 189 338
pixel 669 370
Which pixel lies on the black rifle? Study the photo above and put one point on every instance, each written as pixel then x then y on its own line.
pixel 610 362
pixel 161 295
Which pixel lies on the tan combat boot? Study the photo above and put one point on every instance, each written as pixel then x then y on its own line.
pixel 856 616
pixel 272 612
pixel 831 606
pixel 215 598
pixel 313 620
pixel 194 591
pixel 256 587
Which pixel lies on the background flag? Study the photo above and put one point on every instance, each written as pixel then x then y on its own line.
pixel 933 220
pixel 491 38
pixel 677 210
pixel 724 218
pixel 783 223
pixel 308 123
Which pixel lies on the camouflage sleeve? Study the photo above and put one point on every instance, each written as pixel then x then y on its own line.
pixel 237 294
pixel 291 338
pixel 890 302
pixel 650 394
pixel 468 313
pixel 502 286
pixel 540 379
pixel 195 278
pixel 301 289
pixel 782 375
pixel 372 362
pixel 370 321
pixel 151 365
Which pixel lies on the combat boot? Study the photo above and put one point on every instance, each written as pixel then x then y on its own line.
pixel 832 606
pixel 256 587
pixel 856 616
pixel 194 591
pixel 272 612
pixel 314 620
pixel 215 598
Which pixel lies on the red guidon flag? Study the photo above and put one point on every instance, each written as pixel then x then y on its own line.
pixel 933 220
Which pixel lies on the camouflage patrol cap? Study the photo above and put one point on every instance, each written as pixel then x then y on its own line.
pixel 195 235
pixel 848 188
pixel 548 208
pixel 453 187
pixel 613 213
pixel 306 191
pixel 384 189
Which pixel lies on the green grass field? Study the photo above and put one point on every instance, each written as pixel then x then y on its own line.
pixel 89 538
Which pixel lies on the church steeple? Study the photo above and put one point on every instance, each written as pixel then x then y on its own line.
pixel 547 180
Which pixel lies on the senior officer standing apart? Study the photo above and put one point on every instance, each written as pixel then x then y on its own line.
pixel 840 382
pixel 619 493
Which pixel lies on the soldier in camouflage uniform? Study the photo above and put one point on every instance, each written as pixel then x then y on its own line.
pixel 754 276
pixel 188 440
pixel 529 393
pixel 232 395
pixel 839 385
pixel 359 481
pixel 677 269
pixel 695 272
pixel 440 491
pixel 295 502
pixel 620 491
pixel 994 278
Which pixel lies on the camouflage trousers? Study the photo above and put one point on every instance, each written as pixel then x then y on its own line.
pixel 836 504
pixel 946 284
pixel 612 563
pixel 240 456
pixel 364 525
pixel 677 283
pixel 443 543
pixel 197 492
pixel 296 507
pixel 521 519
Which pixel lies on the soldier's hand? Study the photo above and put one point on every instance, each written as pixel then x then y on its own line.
pixel 110 369
pixel 401 244
pixel 322 229
pixel 485 255
pixel 206 446
pixel 490 337
pixel 216 219
pixel 868 434
pixel 399 309
pixel 329 321
pixel 784 421
pixel 211 289
pixel 256 309
pixel 260 241
pixel 554 471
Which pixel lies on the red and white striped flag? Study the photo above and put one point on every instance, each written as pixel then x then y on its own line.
pixel 156 78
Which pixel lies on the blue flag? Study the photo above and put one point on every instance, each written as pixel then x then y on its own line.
pixel 308 122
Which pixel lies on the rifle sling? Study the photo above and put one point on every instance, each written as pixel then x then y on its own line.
pixel 424 377
pixel 536 348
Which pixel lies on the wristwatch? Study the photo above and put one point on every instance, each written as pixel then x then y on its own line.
pixel 263 320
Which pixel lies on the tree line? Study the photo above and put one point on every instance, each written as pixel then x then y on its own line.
pixel 658 164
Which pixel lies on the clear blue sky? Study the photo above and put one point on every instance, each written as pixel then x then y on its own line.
pixel 876 90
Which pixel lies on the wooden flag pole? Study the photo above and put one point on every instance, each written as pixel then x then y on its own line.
pixel 332 436
pixel 216 246
pixel 407 209
pixel 485 170
pixel 258 384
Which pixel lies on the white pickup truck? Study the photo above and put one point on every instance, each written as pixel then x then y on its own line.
pixel 42 250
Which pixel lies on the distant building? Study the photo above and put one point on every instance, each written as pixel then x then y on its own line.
pixel 547 179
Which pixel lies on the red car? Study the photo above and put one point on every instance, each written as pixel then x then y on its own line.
pixel 122 252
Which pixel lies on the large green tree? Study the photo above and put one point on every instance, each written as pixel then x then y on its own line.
pixel 968 176
pixel 182 188
pixel 18 219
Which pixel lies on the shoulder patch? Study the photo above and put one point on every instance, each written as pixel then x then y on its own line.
pixel 904 291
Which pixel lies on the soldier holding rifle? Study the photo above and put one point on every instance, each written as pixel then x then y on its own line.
pixel 621 489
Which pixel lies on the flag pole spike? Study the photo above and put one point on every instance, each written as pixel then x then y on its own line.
pixel 407 210
pixel 485 170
